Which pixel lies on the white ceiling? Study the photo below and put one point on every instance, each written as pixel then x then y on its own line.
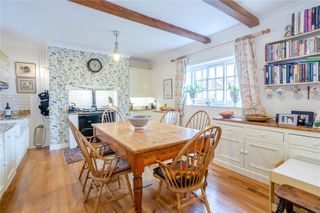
pixel 63 23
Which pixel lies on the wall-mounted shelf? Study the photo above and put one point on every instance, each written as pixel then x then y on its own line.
pixel 301 35
pixel 292 84
pixel 297 58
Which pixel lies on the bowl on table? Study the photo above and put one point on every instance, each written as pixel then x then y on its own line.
pixel 257 117
pixel 139 121
pixel 226 114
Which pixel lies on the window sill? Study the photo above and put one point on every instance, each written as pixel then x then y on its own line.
pixel 213 106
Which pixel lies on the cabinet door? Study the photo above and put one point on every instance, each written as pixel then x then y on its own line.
pixel 2 184
pixel 305 154
pixel 9 157
pixel 140 83
pixel 259 155
pixel 230 151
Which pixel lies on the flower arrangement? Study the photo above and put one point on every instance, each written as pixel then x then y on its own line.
pixel 193 90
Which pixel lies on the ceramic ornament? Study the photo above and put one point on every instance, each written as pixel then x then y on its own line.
pixel 269 92
pixel 280 91
pixel 296 90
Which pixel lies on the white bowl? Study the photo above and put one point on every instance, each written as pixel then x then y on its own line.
pixel 139 121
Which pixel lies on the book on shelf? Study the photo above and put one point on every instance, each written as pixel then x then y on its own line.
pixel 305 21
pixel 290 73
pixel 292 48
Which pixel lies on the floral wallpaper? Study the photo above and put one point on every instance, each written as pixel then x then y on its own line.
pixel 68 68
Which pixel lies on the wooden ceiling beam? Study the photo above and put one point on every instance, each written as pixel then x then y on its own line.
pixel 235 10
pixel 116 10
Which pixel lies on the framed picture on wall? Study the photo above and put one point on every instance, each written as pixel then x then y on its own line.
pixel 25 70
pixel 26 85
pixel 167 89
pixel 288 119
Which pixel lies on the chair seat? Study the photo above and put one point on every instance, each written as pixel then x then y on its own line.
pixel 187 178
pixel 122 166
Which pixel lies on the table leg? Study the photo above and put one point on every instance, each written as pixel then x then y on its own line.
pixel 137 188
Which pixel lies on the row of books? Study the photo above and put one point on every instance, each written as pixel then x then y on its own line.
pixel 290 49
pixel 292 73
pixel 305 21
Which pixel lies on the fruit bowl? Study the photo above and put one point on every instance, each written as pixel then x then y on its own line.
pixel 257 117
pixel 139 121
pixel 226 114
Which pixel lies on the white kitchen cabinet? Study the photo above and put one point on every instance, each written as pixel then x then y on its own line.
pixel 140 82
pixel 14 143
pixel 251 149
pixel 9 156
pixel 2 184
pixel 259 155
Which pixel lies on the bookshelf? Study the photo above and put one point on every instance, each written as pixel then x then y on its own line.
pixel 292 64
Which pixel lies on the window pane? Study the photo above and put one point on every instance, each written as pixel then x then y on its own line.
pixel 188 78
pixel 230 70
pixel 219 95
pixel 230 82
pixel 219 71
pixel 198 75
pixel 219 83
pixel 204 74
pixel 204 84
pixel 212 95
pixel 211 84
pixel 82 98
pixel 212 72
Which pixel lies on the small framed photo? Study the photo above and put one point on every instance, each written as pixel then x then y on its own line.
pixel 288 119
pixel 26 85
pixel 167 89
pixel 25 70
pixel 305 118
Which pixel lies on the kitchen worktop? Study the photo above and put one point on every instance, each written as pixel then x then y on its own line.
pixel 270 123
pixel 5 127
pixel 4 120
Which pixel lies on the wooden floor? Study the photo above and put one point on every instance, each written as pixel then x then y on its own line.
pixel 44 183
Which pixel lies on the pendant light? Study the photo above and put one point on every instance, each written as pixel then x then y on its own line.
pixel 116 56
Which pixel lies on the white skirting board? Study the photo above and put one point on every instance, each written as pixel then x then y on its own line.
pixel 59 146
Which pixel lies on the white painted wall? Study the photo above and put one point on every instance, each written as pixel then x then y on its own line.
pixel 21 49
pixel 163 68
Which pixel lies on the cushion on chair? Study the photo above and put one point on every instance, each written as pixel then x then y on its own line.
pixel 187 176
pixel 123 164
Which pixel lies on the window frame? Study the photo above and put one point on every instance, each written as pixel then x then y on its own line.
pixel 207 66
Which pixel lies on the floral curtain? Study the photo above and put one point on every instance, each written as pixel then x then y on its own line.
pixel 248 75
pixel 179 95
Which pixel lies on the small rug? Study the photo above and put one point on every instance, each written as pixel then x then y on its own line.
pixel 72 155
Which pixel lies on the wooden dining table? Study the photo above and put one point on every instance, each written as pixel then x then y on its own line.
pixel 157 141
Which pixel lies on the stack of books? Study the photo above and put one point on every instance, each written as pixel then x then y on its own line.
pixel 305 21
pixel 292 73
pixel 292 48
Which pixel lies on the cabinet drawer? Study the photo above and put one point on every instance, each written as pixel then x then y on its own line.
pixel 265 134
pixel 231 131
pixel 303 140
pixel 305 154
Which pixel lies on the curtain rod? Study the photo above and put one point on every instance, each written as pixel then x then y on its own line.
pixel 262 32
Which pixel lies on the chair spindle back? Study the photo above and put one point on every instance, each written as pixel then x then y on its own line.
pixel 199 120
pixel 171 117
pixel 111 115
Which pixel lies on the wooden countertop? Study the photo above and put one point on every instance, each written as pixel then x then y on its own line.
pixel 270 123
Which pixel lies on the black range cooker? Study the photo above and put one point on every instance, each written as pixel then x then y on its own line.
pixel 87 118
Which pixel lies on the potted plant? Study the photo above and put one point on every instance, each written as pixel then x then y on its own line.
pixel 193 90
pixel 234 94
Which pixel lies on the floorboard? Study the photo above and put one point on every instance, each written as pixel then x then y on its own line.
pixel 45 183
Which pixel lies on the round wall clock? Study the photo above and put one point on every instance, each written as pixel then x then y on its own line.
pixel 94 65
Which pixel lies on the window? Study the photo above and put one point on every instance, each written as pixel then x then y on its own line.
pixel 215 78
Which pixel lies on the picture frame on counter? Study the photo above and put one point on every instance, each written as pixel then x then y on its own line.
pixel 167 89
pixel 288 119
pixel 305 118
pixel 25 69
pixel 26 85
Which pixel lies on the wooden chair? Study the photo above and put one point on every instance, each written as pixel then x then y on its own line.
pixel 199 120
pixel 100 147
pixel 111 115
pixel 103 170
pixel 171 117
pixel 188 171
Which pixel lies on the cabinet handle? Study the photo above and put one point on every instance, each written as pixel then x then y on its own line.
pixel 241 150
pixel 245 152
pixel 263 134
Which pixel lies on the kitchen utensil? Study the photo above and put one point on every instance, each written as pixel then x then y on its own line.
pixel 139 121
